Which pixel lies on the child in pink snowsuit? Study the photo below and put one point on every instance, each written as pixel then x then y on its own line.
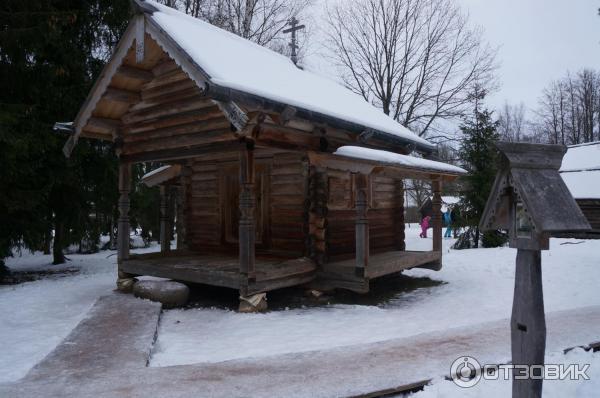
pixel 424 226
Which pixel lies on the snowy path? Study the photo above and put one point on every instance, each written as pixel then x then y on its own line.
pixel 38 315
pixel 328 373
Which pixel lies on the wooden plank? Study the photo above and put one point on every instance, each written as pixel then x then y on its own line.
pixel 166 109
pixel 209 125
pixel 103 125
pixel 131 72
pixel 120 95
pixel 180 143
pixel 219 149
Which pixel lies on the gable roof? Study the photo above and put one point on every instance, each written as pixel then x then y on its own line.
pixel 237 64
pixel 231 68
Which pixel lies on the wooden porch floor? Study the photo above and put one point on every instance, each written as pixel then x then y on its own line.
pixel 341 274
pixel 221 269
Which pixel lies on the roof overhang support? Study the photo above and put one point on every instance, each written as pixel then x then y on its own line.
pixel 228 94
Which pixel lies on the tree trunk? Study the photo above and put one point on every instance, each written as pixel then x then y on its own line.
pixel 57 248
pixel 476 237
pixel 47 241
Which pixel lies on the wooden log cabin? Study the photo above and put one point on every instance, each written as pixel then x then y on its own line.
pixel 284 178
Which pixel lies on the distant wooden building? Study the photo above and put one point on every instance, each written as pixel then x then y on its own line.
pixel 580 171
pixel 284 178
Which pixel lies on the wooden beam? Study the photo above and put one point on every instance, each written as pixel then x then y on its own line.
pixel 120 95
pixel 163 155
pixel 134 73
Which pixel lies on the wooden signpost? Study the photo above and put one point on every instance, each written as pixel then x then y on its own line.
pixel 530 200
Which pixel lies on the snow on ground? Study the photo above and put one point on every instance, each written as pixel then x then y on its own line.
pixel 441 388
pixel 38 315
pixel 478 288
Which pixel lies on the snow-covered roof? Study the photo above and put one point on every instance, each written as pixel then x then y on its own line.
pixel 582 157
pixel 583 184
pixel 396 159
pixel 450 200
pixel 238 64
pixel 580 170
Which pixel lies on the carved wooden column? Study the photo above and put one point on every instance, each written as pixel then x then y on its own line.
pixel 247 228
pixel 165 244
pixel 123 223
pixel 436 219
pixel 362 226
pixel 125 281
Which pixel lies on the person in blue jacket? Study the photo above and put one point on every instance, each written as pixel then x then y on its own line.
pixel 448 223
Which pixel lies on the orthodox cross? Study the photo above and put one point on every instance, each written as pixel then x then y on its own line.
pixel 293 22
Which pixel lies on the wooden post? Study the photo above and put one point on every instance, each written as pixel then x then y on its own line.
pixel 125 281
pixel 247 228
pixel 180 221
pixel 362 226
pixel 436 218
pixel 123 223
pixel 400 234
pixel 165 244
pixel 528 324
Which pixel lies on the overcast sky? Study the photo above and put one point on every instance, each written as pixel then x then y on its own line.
pixel 538 41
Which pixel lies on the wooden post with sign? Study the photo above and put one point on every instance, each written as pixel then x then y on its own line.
pixel 530 200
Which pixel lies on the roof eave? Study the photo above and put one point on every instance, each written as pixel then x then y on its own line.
pixel 221 93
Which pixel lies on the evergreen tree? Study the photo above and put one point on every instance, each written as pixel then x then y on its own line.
pixel 50 53
pixel 479 156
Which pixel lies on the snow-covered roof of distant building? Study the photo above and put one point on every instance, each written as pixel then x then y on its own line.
pixel 580 170
pixel 450 200
pixel 235 63
pixel 582 157
pixel 396 159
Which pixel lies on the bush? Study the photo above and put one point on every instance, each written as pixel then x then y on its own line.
pixel 494 238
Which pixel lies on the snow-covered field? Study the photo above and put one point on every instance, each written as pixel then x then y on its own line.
pixel 477 288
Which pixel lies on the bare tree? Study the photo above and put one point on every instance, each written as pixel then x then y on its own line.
pixel 416 59
pixel 261 21
pixel 569 110
pixel 511 122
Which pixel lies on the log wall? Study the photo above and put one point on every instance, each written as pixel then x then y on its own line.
pixel 385 215
pixel 282 185
pixel 591 210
